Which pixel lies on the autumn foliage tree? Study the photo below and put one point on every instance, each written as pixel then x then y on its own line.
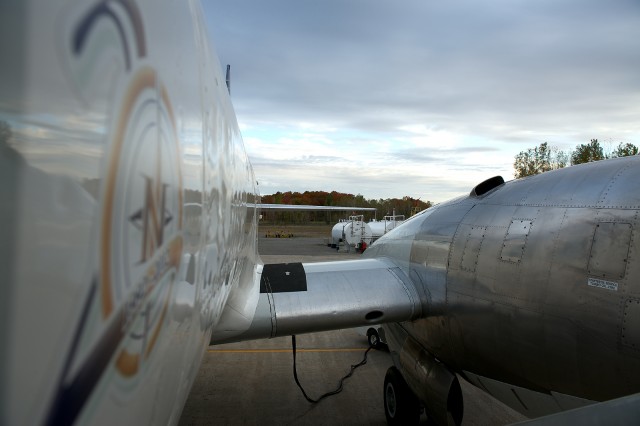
pixel 401 206
pixel 539 160
pixel 544 158
pixel 625 150
pixel 586 153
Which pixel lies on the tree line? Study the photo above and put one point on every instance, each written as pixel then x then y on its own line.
pixel 402 206
pixel 544 158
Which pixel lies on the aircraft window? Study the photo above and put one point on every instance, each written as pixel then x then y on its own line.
pixel 514 241
pixel 610 249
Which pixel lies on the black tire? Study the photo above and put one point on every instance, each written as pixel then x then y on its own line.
pixel 401 406
pixel 373 338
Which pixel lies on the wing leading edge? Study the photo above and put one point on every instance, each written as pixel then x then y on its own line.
pixel 306 297
pixel 304 207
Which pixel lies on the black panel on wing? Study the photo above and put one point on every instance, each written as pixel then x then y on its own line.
pixel 283 278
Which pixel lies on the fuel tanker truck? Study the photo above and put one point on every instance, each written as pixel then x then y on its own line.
pixel 354 232
pixel 381 227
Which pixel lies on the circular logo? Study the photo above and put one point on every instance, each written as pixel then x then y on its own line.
pixel 142 219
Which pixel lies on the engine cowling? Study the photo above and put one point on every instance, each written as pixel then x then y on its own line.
pixel 430 380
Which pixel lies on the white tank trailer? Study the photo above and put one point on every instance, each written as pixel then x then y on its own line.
pixel 336 232
pixel 357 233
pixel 353 231
pixel 381 227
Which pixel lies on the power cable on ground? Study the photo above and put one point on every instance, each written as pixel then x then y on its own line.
pixel 340 384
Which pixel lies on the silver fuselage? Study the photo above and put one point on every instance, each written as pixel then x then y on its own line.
pixel 535 284
pixel 128 209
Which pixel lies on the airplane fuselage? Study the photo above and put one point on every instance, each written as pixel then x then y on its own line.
pixel 128 209
pixel 532 284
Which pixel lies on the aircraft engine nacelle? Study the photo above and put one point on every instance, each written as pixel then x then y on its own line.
pixel 429 379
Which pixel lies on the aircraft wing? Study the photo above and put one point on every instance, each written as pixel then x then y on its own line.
pixel 619 411
pixel 300 207
pixel 306 297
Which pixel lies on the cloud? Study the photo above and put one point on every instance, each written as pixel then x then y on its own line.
pixel 504 75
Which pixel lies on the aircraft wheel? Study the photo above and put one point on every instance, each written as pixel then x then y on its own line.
pixel 401 407
pixel 373 338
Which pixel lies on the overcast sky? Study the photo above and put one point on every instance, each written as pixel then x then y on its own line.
pixel 423 98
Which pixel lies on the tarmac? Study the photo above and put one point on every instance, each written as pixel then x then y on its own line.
pixel 252 383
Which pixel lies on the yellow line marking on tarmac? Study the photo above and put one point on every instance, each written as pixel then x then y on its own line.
pixel 258 351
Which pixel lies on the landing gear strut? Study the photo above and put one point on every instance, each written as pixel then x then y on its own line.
pixel 401 406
